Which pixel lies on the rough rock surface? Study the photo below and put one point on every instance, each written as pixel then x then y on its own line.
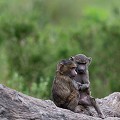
pixel 17 106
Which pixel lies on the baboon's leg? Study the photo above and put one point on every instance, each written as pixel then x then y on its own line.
pixel 97 108
pixel 73 105
pixel 85 100
pixel 79 109
pixel 88 109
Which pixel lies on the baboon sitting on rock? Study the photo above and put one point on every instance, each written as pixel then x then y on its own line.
pixel 65 91
pixel 82 78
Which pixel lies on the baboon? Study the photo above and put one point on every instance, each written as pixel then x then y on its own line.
pixel 65 89
pixel 82 77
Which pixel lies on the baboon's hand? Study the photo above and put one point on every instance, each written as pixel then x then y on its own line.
pixel 79 85
pixel 84 87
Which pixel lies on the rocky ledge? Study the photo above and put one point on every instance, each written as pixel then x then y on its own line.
pixel 17 106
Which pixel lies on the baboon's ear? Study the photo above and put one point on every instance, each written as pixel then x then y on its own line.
pixel 60 66
pixel 71 58
pixel 89 60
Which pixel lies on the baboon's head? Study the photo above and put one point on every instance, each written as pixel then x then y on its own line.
pixel 67 68
pixel 82 62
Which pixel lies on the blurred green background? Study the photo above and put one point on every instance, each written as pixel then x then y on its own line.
pixel 36 34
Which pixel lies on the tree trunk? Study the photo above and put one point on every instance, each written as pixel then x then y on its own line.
pixel 17 106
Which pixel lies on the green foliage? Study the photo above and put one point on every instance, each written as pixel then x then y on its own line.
pixel 38 90
pixel 35 35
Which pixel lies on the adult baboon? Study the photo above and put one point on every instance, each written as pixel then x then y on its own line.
pixel 65 89
pixel 82 77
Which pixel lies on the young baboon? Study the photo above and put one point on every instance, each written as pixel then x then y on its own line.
pixel 65 89
pixel 82 77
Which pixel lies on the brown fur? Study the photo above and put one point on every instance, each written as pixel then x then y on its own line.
pixel 65 90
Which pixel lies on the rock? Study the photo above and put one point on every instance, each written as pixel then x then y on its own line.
pixel 17 106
